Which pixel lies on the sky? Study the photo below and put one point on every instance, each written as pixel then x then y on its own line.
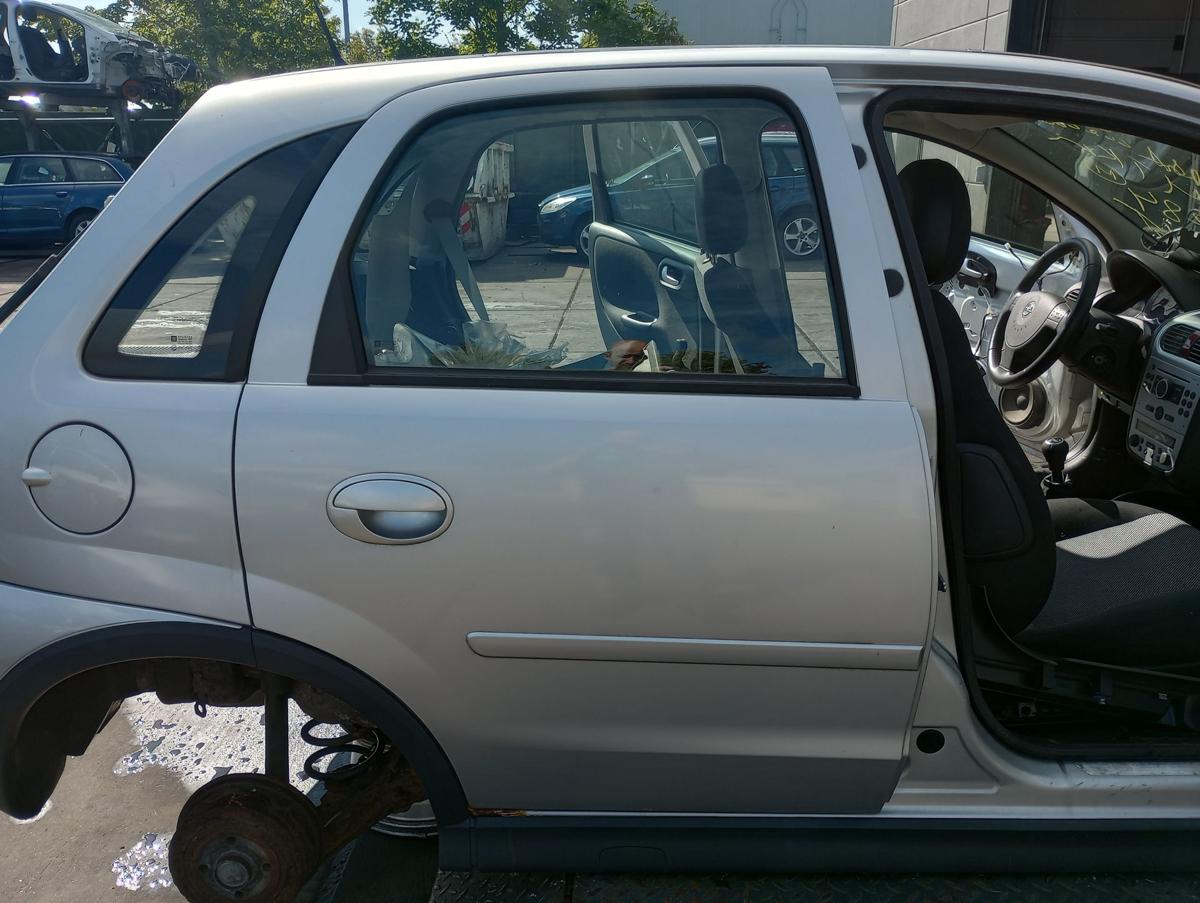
pixel 358 9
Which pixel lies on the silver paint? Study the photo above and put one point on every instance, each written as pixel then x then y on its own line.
pixel 84 480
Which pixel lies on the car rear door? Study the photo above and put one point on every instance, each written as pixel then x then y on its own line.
pixel 605 580
pixel 38 195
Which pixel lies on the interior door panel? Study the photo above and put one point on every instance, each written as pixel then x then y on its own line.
pixel 645 290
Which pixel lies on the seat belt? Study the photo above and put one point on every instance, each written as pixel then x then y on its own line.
pixel 440 215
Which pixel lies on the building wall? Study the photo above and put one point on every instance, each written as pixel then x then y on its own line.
pixel 782 21
pixel 951 24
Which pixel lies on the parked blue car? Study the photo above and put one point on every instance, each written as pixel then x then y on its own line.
pixel 47 198
pixel 564 217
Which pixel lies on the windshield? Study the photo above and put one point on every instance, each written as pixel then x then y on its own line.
pixel 1152 184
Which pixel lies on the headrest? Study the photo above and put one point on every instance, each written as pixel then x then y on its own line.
pixel 720 210
pixel 940 209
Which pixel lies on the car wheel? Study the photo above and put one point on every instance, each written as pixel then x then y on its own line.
pixel 78 225
pixel 800 236
pixel 582 240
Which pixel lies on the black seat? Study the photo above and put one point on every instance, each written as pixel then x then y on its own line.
pixel 727 291
pixel 1073 578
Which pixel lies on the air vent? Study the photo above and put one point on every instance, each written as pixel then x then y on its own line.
pixel 1073 294
pixel 1183 341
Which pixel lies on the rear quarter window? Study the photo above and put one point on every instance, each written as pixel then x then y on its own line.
pixel 93 171
pixel 190 309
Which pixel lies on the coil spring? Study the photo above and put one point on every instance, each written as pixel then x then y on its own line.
pixel 360 744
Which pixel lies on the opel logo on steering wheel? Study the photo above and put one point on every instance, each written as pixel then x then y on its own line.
pixel 1028 309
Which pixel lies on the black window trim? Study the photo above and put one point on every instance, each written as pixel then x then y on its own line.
pixel 101 356
pixel 339 358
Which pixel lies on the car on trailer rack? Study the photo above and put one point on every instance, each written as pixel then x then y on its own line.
pixel 694 559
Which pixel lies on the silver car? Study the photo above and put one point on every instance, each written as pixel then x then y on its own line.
pixel 685 554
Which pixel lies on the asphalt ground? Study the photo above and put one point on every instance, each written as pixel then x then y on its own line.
pixel 104 835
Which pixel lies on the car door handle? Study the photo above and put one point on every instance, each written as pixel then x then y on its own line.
pixel 389 509
pixel 669 276
pixel 61 194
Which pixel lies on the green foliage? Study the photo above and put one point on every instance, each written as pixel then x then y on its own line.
pixel 614 23
pixel 364 47
pixel 412 28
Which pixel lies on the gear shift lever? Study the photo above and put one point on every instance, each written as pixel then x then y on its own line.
pixel 1057 484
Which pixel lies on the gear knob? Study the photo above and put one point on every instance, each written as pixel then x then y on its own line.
pixel 1055 452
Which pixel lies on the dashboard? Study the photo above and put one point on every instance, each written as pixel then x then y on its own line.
pixel 1164 295
pixel 1162 417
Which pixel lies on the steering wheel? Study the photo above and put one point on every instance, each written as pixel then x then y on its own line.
pixel 1036 327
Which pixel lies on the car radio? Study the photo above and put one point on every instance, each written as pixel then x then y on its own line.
pixel 1166 399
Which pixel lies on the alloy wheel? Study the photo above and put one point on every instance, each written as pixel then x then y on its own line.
pixel 801 236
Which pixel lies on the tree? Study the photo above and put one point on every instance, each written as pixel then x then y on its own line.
pixel 614 23
pixel 409 28
pixel 364 47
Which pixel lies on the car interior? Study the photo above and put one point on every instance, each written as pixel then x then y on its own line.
pixel 54 45
pixel 1081 630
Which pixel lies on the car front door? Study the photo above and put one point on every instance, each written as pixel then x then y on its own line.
pixel 37 196
pixel 604 582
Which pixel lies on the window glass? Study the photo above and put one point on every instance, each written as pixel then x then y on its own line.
pixel 5 166
pixel 190 308
pixel 1003 208
pixel 650 180
pixel 1153 184
pixel 174 321
pixel 40 170
pixel 486 250
pixel 93 171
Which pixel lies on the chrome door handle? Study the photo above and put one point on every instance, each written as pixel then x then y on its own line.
pixel 389 509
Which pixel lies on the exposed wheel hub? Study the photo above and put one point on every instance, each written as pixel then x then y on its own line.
pixel 245 837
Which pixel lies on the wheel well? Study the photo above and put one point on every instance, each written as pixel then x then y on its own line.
pixel 82 212
pixel 55 701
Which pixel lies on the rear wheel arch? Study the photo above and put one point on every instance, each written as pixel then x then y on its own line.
pixel 77 218
pixel 54 700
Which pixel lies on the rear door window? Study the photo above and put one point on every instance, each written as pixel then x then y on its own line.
pixel 445 275
pixel 40 171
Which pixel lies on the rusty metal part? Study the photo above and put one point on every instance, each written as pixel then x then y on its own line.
pixel 247 838
pixel 386 784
